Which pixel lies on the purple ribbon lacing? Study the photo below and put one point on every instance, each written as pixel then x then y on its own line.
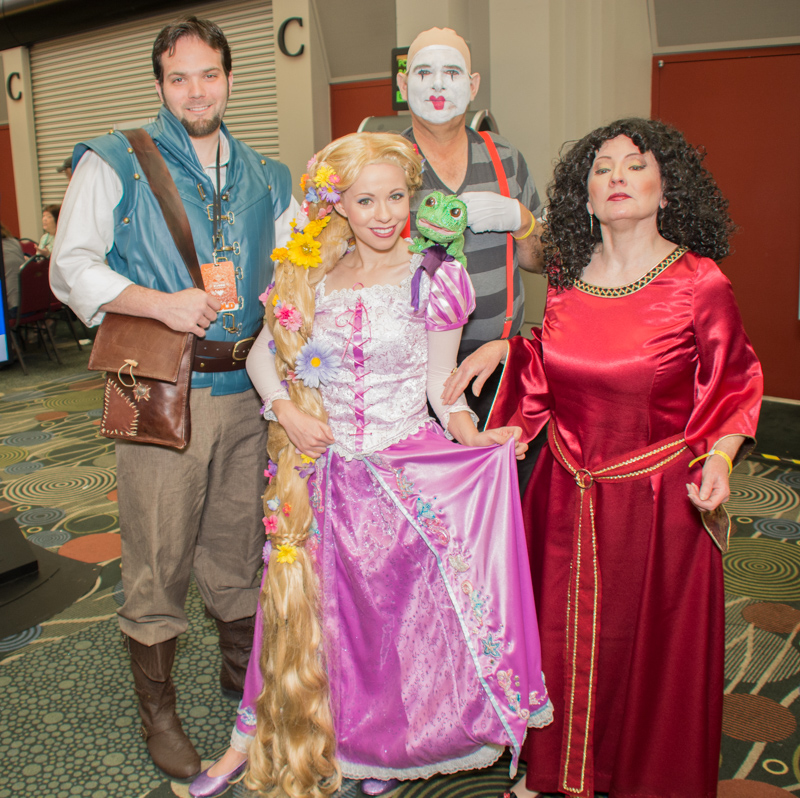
pixel 358 320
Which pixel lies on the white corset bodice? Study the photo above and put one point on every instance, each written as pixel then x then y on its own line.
pixel 379 394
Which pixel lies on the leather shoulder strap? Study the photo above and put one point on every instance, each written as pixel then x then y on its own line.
pixel 166 192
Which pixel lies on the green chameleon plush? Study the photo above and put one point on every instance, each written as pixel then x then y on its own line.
pixel 441 219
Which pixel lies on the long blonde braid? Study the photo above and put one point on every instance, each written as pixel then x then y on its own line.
pixel 294 751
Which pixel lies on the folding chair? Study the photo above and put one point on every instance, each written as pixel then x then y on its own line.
pixel 35 298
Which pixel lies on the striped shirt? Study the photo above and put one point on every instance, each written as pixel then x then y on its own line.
pixel 486 252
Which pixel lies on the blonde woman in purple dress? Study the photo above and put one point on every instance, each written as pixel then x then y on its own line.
pixel 399 630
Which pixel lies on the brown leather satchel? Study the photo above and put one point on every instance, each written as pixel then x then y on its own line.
pixel 149 365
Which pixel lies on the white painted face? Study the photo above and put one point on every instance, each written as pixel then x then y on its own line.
pixel 439 86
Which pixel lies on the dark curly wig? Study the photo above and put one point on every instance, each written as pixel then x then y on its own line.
pixel 696 215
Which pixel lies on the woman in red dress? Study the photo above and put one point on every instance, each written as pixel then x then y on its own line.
pixel 652 392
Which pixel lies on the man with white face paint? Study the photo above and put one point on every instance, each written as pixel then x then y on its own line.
pixel 438 87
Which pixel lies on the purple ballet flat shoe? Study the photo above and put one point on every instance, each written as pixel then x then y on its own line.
pixel 378 787
pixel 205 786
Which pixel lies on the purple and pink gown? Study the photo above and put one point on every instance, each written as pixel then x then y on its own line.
pixel 635 382
pixel 430 632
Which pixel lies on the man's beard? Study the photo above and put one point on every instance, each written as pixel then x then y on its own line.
pixel 198 128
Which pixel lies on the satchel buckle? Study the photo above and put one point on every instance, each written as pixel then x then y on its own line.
pixel 583 478
pixel 128 364
pixel 234 355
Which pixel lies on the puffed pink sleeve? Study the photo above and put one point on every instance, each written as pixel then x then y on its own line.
pixel 452 297
pixel 523 397
pixel 728 378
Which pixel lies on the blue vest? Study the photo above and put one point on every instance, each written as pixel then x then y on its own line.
pixel 257 191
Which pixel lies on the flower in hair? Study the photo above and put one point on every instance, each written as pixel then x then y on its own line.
pixel 271 524
pixel 273 504
pixel 314 228
pixel 311 195
pixel 265 552
pixel 286 509
pixel 288 316
pixel 325 181
pixel 287 553
pixel 305 470
pixel 265 296
pixel 316 364
pixel 304 251
pixel 272 348
pixel 279 254
pixel 270 471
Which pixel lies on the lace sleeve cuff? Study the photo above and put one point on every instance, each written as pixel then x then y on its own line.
pixel 266 408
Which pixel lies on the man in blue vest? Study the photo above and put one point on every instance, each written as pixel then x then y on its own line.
pixel 198 509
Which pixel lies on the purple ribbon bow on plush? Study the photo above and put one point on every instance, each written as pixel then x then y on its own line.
pixel 433 258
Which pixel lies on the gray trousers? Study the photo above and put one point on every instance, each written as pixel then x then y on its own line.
pixel 198 509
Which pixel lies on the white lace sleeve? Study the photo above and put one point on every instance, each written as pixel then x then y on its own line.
pixel 442 351
pixel 263 374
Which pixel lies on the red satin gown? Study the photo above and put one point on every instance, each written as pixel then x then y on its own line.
pixel 628 584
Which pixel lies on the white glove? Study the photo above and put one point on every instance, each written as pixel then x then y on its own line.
pixel 487 211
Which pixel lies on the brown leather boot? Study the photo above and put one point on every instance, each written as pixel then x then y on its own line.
pixel 235 644
pixel 169 747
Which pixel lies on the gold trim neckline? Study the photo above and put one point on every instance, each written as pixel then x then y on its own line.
pixel 632 288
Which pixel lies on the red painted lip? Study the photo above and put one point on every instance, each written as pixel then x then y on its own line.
pixel 619 196
pixel 388 234
pixel 438 102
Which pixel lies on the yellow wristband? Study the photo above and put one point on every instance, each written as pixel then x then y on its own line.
pixel 533 224
pixel 722 454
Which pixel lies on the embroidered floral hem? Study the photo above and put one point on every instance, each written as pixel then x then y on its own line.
pixel 482 758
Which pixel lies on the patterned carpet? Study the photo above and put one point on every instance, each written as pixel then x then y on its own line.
pixel 68 720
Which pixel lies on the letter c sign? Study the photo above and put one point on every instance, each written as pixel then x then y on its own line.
pixel 282 37
pixel 9 90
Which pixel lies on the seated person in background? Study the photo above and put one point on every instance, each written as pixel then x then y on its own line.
pixel 13 258
pixel 49 222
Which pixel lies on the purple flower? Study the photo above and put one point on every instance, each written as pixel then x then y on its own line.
pixel 316 364
pixel 271 471
pixel 272 347
pixel 329 193
pixel 305 470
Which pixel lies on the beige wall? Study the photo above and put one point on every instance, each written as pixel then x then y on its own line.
pixel 304 124
pixel 560 68
pixel 23 143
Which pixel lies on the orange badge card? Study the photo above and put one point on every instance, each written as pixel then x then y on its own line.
pixel 219 281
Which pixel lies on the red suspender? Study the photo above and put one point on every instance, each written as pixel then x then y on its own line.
pixel 503 182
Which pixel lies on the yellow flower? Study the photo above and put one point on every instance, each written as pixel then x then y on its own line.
pixel 323 176
pixel 279 253
pixel 286 553
pixel 304 251
pixel 275 300
pixel 314 228
pixel 304 458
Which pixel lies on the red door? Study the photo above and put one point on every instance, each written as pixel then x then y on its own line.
pixel 351 103
pixel 8 192
pixel 743 107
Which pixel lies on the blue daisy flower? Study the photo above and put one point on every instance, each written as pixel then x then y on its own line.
pixel 316 364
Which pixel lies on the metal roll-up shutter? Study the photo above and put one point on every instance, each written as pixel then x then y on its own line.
pixel 87 84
